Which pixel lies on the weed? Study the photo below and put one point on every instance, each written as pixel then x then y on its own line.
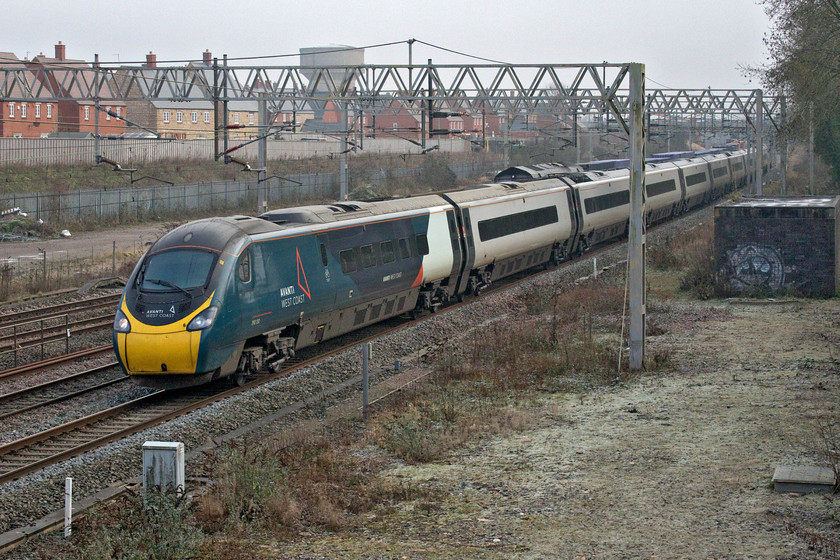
pixel 828 445
pixel 130 527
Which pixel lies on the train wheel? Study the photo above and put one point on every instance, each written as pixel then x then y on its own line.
pixel 239 378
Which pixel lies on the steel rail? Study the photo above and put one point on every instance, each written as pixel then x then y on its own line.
pixel 54 361
pixel 11 319
pixel 26 337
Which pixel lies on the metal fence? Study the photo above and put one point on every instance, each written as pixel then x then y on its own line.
pixel 138 203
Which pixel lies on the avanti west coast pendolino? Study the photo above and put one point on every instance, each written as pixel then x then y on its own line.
pixel 229 296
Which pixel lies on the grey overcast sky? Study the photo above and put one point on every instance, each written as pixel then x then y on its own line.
pixel 683 43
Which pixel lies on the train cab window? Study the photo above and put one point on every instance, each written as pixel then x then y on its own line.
pixel 177 270
pixel 323 255
pixel 404 250
pixel 368 258
pixel 422 244
pixel 386 249
pixel 348 261
pixel 243 269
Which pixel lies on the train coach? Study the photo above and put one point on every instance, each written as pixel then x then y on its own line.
pixel 225 297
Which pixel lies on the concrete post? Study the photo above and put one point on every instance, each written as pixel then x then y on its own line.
pixel 262 151
pixel 342 166
pixel 68 507
pixel 783 140
pixel 636 238
pixel 759 144
pixel 365 378
pixel 811 148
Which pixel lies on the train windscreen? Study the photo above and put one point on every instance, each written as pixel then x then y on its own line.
pixel 182 269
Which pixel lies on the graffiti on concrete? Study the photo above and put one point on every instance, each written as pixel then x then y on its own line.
pixel 755 266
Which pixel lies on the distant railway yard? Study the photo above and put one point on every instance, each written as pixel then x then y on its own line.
pixel 580 450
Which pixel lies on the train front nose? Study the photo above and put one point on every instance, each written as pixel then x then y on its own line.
pixel 172 352
pixel 166 349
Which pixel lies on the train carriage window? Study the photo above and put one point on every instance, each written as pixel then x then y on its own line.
pixel 405 252
pixel 243 269
pixel 422 244
pixel 348 261
pixel 323 255
pixel 606 201
pixel 495 228
pixel 662 187
pixel 695 179
pixel 386 249
pixel 368 258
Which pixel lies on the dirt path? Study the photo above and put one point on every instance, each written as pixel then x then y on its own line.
pixel 83 244
pixel 673 465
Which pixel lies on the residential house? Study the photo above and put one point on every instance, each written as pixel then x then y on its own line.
pixel 192 118
pixel 24 119
pixel 79 115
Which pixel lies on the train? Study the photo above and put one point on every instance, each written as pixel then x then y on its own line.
pixel 229 296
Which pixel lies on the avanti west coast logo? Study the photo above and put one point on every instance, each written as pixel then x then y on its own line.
pixel 290 294
pixel 160 313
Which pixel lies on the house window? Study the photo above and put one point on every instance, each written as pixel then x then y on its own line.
pixel 119 112
pixel 49 110
pixel 250 118
pixel 179 116
pixel 12 109
pixel 395 126
pixel 207 116
pixel 194 116
pixel 166 116
pixel 23 110
pixel 87 113
pixel 107 113
pixel 37 110
pixel 236 118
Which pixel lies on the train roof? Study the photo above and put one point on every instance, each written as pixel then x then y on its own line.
pixel 212 233
pixel 605 164
pixel 348 210
pixel 494 190
pixel 535 172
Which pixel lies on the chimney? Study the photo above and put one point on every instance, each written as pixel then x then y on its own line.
pixel 151 60
pixel 208 57
pixel 60 51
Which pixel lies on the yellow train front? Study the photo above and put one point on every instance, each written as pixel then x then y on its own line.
pixel 166 333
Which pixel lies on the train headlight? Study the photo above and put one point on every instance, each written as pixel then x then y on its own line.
pixel 204 319
pixel 121 323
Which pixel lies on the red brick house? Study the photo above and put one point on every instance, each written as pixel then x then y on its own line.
pixel 25 119
pixel 79 116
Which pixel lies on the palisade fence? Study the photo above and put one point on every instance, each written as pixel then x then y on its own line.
pixel 133 204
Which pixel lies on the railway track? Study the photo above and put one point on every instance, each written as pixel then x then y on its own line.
pixel 55 391
pixel 10 320
pixel 52 333
pixel 35 367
